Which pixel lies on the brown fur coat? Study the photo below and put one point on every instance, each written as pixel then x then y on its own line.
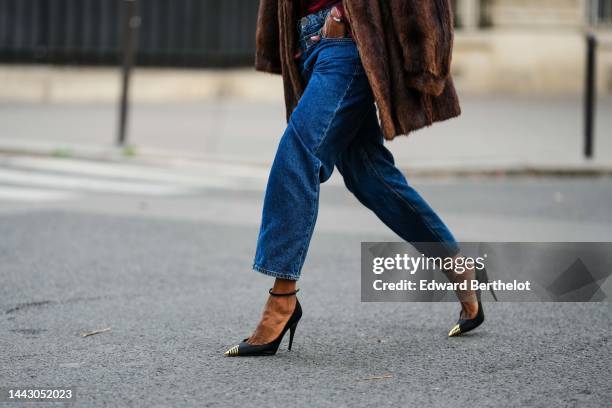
pixel 405 47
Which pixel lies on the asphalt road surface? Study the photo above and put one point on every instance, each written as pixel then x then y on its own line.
pixel 161 255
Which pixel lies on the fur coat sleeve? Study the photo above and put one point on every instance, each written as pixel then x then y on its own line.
pixel 424 30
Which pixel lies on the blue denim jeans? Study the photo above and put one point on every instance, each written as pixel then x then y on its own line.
pixel 335 125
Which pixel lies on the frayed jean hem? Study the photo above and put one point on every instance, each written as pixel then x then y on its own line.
pixel 274 274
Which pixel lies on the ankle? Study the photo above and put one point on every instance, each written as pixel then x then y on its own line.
pixel 284 286
pixel 281 305
pixel 470 309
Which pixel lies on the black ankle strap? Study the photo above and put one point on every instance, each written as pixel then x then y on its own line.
pixel 283 294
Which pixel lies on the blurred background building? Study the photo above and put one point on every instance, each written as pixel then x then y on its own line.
pixel 506 46
pixel 530 45
pixel 176 33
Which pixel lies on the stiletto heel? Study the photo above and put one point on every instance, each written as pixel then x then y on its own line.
pixel 291 333
pixel 244 349
pixel 465 325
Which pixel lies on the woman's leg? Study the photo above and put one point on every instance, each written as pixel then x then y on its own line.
pixel 325 121
pixel 370 173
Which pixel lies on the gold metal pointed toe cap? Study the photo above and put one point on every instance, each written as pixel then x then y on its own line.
pixel 455 331
pixel 232 352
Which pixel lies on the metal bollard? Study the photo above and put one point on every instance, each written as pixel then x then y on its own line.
pixel 129 40
pixel 590 94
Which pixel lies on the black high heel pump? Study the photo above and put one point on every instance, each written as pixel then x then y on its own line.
pixel 465 325
pixel 244 349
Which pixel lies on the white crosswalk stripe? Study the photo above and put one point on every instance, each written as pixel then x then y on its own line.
pixel 84 184
pixel 39 179
pixel 32 195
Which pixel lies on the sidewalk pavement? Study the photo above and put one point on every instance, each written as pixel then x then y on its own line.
pixel 495 134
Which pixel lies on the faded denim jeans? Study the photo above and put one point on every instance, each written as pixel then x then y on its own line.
pixel 335 125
